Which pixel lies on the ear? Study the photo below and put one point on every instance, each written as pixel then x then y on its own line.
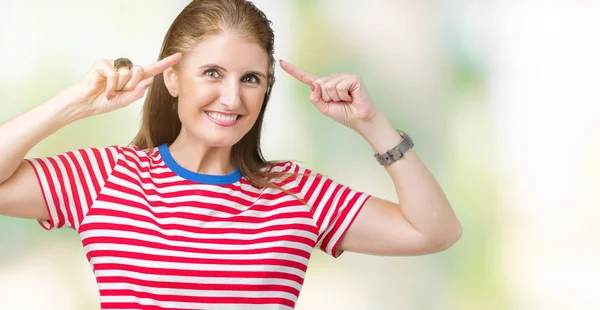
pixel 171 78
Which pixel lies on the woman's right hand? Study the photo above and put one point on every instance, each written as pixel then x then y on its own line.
pixel 104 89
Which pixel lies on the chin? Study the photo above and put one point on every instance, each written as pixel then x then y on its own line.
pixel 216 139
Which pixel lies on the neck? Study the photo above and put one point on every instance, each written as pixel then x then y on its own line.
pixel 198 157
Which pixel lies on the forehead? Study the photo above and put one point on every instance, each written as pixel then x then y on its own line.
pixel 230 51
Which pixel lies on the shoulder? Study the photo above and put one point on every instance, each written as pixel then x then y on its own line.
pixel 289 166
pixel 288 173
pixel 285 168
pixel 134 152
pixel 280 166
pixel 115 155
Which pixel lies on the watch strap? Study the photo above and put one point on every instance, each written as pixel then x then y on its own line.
pixel 396 152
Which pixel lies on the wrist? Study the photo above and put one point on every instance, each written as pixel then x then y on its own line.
pixel 375 123
pixel 68 108
pixel 379 133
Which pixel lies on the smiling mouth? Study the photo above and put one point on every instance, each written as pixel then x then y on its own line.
pixel 223 119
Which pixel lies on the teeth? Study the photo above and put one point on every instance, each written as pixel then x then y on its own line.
pixel 221 117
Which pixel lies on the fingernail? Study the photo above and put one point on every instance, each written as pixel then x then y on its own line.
pixel 312 87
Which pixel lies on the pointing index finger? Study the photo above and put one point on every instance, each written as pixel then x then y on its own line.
pixel 158 67
pixel 302 76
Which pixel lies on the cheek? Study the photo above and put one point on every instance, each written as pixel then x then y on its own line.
pixel 253 101
pixel 196 95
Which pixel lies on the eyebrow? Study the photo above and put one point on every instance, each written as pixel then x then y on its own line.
pixel 208 66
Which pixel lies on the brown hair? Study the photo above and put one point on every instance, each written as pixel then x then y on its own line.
pixel 199 19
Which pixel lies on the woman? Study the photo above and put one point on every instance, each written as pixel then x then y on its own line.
pixel 191 216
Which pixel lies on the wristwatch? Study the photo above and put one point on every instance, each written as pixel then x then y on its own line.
pixel 396 152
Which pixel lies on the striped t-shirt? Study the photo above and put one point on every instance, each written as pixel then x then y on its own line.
pixel 158 236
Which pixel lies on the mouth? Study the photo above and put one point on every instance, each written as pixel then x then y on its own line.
pixel 222 119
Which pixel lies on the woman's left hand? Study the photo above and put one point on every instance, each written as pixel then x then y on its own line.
pixel 342 97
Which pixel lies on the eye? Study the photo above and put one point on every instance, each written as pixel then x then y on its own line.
pixel 212 73
pixel 251 78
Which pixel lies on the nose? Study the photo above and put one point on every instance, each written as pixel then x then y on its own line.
pixel 230 95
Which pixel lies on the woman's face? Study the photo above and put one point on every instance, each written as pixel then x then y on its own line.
pixel 220 85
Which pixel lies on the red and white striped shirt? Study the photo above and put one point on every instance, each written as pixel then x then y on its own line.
pixel 159 236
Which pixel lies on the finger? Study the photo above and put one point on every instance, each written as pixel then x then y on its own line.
pixel 331 88
pixel 124 77
pixel 105 69
pixel 315 97
pixel 126 98
pixel 343 88
pixel 350 85
pixel 153 69
pixel 324 95
pixel 315 94
pixel 300 75
pixel 137 74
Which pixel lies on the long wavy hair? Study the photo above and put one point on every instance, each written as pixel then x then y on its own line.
pixel 199 19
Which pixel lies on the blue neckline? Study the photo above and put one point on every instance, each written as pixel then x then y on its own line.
pixel 194 176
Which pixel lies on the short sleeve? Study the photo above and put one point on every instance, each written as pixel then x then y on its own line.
pixel 334 207
pixel 71 181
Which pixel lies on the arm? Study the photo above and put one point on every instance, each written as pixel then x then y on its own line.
pixel 19 191
pixel 23 132
pixel 102 90
pixel 423 222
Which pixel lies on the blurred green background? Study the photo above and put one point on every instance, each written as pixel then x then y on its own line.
pixel 500 97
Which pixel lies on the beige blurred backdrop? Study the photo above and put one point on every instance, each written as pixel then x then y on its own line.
pixel 501 97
